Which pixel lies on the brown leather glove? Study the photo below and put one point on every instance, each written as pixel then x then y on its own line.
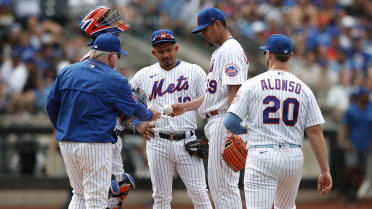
pixel 235 152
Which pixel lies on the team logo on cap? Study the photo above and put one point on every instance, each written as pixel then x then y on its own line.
pixel 231 69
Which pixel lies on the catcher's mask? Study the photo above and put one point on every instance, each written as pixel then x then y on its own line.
pixel 101 20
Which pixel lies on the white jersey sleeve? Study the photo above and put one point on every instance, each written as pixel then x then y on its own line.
pixel 136 82
pixel 235 67
pixel 239 105
pixel 313 115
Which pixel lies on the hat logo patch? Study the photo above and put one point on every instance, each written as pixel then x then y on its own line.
pixel 285 51
pixel 231 69
pixel 95 46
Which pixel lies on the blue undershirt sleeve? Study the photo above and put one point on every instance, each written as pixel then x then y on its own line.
pixel 232 123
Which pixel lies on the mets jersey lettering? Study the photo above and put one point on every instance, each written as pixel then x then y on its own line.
pixel 160 87
pixel 157 89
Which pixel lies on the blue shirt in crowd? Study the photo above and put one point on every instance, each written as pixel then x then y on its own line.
pixel 359 122
pixel 85 100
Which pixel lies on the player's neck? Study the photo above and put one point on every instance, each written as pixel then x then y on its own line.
pixel 280 66
pixel 226 35
pixel 170 67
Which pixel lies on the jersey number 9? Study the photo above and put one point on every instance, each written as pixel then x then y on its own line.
pixel 212 86
pixel 289 105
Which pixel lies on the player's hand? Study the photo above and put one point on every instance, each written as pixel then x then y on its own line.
pixel 324 183
pixel 156 114
pixel 178 109
pixel 146 129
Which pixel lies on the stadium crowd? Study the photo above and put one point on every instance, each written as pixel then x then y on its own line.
pixel 332 38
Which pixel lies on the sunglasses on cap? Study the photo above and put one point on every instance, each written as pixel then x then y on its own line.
pixel 163 37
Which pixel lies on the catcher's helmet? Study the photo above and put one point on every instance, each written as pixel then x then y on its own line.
pixel 101 20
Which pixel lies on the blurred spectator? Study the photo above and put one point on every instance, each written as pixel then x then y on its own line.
pixel 357 142
pixel 304 9
pixel 24 8
pixel 338 97
pixel 307 69
pixel 25 100
pixel 358 58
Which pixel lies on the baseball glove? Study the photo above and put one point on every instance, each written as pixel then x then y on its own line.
pixel 235 152
pixel 126 123
pixel 198 147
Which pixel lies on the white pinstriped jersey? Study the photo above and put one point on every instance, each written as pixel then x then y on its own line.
pixel 277 107
pixel 160 87
pixel 231 59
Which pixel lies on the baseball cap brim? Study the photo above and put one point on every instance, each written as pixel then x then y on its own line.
pixel 199 28
pixel 123 52
pixel 162 41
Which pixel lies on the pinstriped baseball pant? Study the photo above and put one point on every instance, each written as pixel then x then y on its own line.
pixel 89 167
pixel 272 175
pixel 117 161
pixel 163 157
pixel 222 180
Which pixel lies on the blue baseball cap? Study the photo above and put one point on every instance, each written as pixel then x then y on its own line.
pixel 361 90
pixel 161 36
pixel 109 43
pixel 207 17
pixel 278 44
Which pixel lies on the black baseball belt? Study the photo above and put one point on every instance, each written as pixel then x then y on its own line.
pixel 175 137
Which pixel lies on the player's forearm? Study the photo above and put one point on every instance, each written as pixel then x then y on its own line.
pixel 194 104
pixel 233 89
pixel 318 145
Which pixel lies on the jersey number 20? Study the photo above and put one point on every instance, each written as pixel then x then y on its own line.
pixel 290 104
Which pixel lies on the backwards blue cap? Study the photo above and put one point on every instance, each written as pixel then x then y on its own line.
pixel 161 36
pixel 207 17
pixel 278 44
pixel 109 43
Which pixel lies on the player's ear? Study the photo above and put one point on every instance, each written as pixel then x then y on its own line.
pixel 176 47
pixel 153 52
pixel 218 25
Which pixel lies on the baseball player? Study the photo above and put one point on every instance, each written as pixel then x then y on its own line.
pixel 82 105
pixel 101 20
pixel 163 83
pixel 227 71
pixel 277 108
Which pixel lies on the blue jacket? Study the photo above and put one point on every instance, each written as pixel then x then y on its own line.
pixel 85 100
pixel 359 122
